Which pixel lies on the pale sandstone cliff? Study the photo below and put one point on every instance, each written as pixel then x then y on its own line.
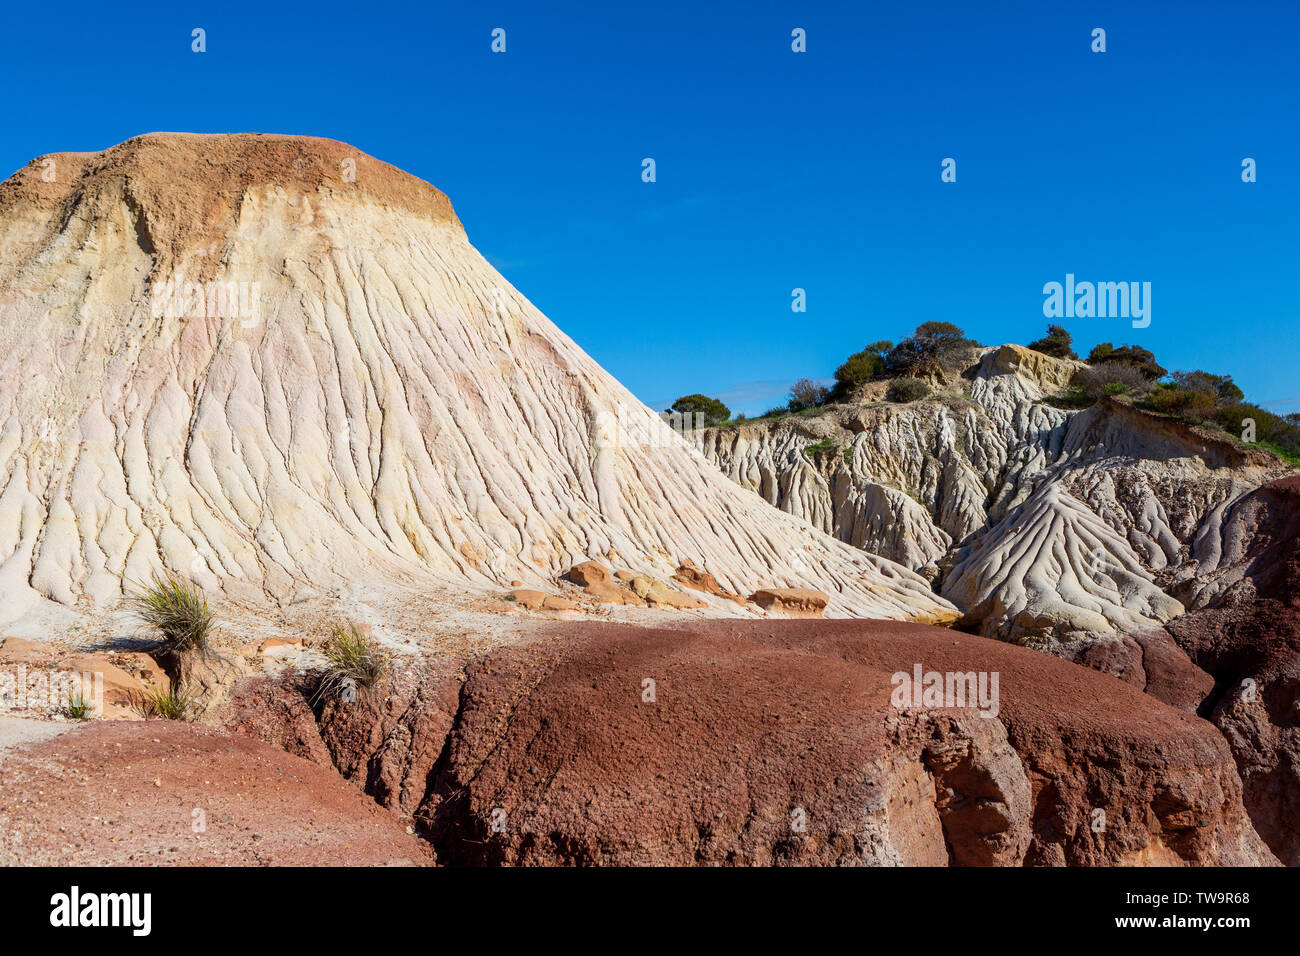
pixel 380 406
pixel 1046 527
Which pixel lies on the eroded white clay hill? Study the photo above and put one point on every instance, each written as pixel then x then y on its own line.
pixel 277 366
pixel 1051 528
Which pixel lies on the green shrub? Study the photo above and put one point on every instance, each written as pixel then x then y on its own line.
pixel 1289 454
pixel 1072 399
pixel 940 342
pixel 1141 359
pixel 1221 389
pixel 176 609
pixel 905 389
pixel 1173 400
pixel 174 703
pixel 1268 426
pixel 1276 433
pixel 820 448
pixel 77 707
pixel 806 393
pixel 714 412
pixel 1112 378
pixel 1057 343
pixel 353 661
pixel 861 367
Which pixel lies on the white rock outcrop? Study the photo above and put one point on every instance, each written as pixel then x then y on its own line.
pixel 1045 526
pixel 336 389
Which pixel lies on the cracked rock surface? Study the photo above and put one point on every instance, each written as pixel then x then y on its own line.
pixel 1045 527
pixel 336 388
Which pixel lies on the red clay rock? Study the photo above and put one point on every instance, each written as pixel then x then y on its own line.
pixel 1170 674
pixel 125 794
pixel 276 711
pixel 386 742
pixel 560 754
pixel 189 187
pixel 1153 662
pixel 389 740
pixel 791 602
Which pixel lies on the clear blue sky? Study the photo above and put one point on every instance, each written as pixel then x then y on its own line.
pixel 776 170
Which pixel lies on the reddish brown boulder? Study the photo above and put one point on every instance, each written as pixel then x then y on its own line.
pixel 595 579
pixel 700 580
pixel 1153 662
pixel 763 743
pixel 588 573
pixel 791 602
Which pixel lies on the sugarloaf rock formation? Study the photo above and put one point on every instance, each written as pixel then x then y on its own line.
pixel 278 367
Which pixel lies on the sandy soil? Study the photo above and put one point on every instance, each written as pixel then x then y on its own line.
pixel 120 793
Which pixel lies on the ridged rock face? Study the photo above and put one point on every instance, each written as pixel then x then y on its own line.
pixel 1046 527
pixel 909 482
pixel 1243 626
pixel 1106 530
pixel 1053 567
pixel 277 366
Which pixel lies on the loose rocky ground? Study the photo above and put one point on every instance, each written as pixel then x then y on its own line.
pixel 128 794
